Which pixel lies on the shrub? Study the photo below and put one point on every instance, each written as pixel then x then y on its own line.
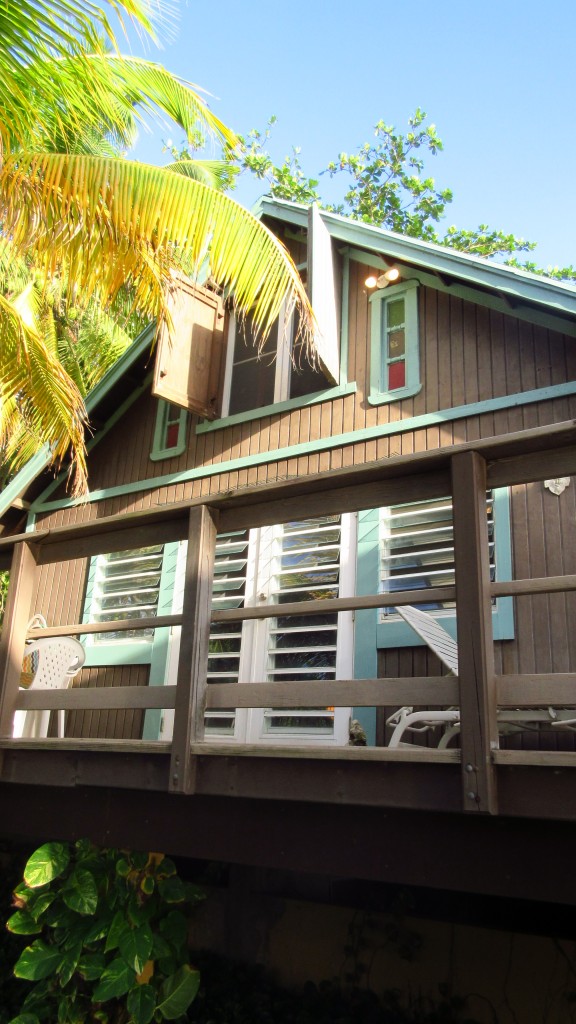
pixel 111 942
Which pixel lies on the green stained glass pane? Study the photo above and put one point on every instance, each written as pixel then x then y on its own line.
pixel 395 313
pixel 396 344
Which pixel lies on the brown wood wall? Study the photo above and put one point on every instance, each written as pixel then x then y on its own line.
pixel 468 353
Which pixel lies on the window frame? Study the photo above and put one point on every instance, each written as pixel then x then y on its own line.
pixel 392 631
pixel 131 652
pixel 379 300
pixel 160 447
pixel 284 368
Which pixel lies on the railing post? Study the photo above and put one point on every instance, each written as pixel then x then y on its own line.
pixel 479 729
pixel 16 617
pixel 193 660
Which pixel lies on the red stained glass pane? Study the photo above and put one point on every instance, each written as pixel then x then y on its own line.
pixel 172 435
pixel 396 375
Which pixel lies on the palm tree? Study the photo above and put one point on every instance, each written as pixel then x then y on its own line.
pixel 97 227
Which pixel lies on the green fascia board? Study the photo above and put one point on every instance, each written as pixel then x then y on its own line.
pixel 443 416
pixel 39 462
pixel 116 372
pixel 475 270
pixel 42 459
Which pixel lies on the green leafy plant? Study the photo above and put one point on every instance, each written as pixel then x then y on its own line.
pixel 110 937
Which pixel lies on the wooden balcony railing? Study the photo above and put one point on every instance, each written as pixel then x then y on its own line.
pixel 466 472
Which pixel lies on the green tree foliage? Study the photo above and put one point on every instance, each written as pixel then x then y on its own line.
pixel 108 934
pixel 386 183
pixel 95 225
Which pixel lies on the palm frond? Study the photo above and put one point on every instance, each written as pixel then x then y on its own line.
pixel 100 223
pixel 35 382
pixel 78 95
pixel 214 173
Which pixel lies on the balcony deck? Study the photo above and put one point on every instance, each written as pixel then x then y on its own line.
pixel 136 791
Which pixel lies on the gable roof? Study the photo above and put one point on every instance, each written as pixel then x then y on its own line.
pixel 449 265
pixel 479 271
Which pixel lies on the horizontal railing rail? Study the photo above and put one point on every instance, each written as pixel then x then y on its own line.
pixel 465 471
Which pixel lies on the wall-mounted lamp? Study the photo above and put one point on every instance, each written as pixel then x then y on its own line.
pixel 388 277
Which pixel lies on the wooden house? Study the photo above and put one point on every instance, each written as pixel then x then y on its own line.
pixel 235 571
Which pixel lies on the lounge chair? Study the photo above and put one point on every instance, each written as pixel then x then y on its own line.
pixel 49 663
pixel 445 647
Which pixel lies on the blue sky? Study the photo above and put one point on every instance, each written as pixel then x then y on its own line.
pixel 497 78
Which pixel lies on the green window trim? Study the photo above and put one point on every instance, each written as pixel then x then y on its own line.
pixel 135 652
pixel 383 358
pixel 169 431
pixel 394 632
pixel 277 407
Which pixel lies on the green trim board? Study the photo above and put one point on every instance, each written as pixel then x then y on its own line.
pixel 528 314
pixel 17 487
pixel 365 649
pixel 443 416
pixel 344 313
pixel 277 407
pixel 472 269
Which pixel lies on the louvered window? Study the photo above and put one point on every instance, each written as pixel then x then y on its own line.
pixel 297 562
pixel 305 567
pixel 225 649
pixel 126 586
pixel 417 547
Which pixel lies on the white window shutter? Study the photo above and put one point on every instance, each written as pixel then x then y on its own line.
pixel 187 368
pixel 323 295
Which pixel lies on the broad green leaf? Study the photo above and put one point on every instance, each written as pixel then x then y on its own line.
pixel 116 931
pixel 98 927
pixel 46 864
pixel 40 902
pixel 178 992
pixel 172 890
pixel 25 1018
pixel 141 1003
pixel 166 868
pixel 136 947
pixel 23 892
pixel 194 893
pixel 115 981
pixel 160 947
pixel 174 927
pixel 81 893
pixel 139 860
pixel 91 966
pixel 147 885
pixel 22 923
pixel 37 961
pixel 122 867
pixel 69 964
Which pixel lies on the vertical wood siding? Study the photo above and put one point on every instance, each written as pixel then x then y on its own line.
pixel 468 353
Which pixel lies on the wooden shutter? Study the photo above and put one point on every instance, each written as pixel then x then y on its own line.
pixel 323 296
pixel 187 368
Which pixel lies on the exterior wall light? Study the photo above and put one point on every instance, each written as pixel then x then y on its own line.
pixel 388 277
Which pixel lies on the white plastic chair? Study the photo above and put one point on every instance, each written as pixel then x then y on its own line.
pixel 55 662
pixel 439 640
